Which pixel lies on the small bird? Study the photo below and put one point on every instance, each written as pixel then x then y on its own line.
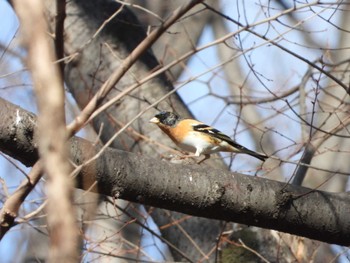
pixel 197 137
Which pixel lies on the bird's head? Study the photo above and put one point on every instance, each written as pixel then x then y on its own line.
pixel 166 118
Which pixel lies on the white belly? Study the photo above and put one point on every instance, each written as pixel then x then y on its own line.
pixel 193 143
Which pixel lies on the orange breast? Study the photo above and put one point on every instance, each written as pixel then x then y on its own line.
pixel 179 132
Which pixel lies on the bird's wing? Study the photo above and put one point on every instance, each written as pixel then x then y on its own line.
pixel 204 128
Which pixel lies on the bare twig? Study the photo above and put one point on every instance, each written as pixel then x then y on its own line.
pixel 138 222
pixel 125 65
pixel 311 147
pixel 308 62
pixel 11 206
pixel 253 251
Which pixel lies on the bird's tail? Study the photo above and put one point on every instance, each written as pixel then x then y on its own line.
pixel 241 149
pixel 259 156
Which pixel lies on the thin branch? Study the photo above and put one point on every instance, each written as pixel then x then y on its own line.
pixel 125 66
pixel 196 50
pixel 153 233
pixel 310 149
pixel 10 209
pixel 309 152
pixel 310 63
pixel 253 251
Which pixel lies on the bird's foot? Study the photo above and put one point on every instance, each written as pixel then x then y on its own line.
pixel 207 156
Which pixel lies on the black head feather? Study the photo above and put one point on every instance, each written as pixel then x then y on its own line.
pixel 167 118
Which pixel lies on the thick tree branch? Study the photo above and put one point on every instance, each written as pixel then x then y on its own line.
pixel 193 189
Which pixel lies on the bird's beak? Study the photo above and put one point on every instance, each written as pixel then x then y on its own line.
pixel 154 120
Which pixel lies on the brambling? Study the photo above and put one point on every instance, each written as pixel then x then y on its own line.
pixel 194 136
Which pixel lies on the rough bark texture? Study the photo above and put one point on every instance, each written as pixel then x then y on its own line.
pixel 197 190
